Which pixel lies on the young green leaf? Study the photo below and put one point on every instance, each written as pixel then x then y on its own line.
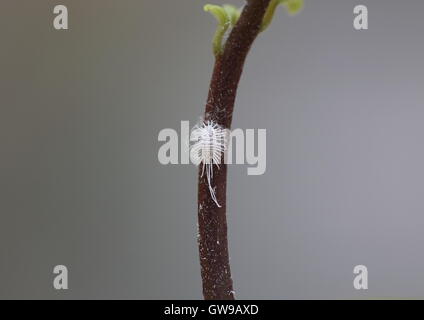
pixel 292 7
pixel 226 16
pixel 223 20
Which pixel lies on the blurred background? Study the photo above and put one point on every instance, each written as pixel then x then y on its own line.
pixel 80 183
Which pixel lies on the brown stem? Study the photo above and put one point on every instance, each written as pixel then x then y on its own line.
pixel 213 243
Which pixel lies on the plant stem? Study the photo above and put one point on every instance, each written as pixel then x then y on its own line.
pixel 213 242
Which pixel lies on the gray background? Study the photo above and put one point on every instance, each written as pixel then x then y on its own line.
pixel 80 183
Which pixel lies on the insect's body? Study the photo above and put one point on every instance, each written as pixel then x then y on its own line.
pixel 210 143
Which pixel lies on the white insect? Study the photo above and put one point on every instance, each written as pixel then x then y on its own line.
pixel 210 142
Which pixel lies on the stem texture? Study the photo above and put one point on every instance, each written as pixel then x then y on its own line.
pixel 213 242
